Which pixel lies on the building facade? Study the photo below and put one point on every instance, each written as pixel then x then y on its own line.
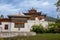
pixel 22 23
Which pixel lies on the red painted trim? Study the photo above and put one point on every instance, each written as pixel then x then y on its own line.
pixel 19 22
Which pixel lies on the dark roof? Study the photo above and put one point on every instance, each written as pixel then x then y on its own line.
pixel 39 13
pixel 5 20
pixel 18 16
pixel 33 9
pixel 26 13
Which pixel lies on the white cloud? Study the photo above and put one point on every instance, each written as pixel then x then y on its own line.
pixel 7 8
pixel 23 5
pixel 46 3
pixel 34 3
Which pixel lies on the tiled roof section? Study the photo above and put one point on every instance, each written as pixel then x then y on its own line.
pixel 32 12
pixel 16 15
pixel 38 13
pixel 33 9
pixel 4 20
pixel 19 22
pixel 19 16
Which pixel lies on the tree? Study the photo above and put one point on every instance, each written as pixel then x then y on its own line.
pixel 58 3
pixel 1 16
pixel 38 28
pixel 57 21
pixel 58 8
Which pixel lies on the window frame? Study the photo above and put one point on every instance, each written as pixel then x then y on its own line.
pixel 6 27
pixel 0 23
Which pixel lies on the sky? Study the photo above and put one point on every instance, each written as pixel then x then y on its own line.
pixel 8 7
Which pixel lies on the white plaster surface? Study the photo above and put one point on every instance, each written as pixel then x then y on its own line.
pixel 27 26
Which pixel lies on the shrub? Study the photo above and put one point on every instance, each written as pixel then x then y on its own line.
pixel 38 28
pixel 53 28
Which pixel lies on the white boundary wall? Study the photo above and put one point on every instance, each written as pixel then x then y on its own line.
pixel 27 26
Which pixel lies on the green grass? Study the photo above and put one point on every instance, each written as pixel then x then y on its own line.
pixel 47 36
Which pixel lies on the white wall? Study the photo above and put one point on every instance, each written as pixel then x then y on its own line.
pixel 27 26
pixel 30 23
pixel 3 26
pixel 10 27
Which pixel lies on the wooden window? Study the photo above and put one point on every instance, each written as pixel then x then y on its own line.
pixel 19 20
pixel 19 25
pixel 6 27
pixel 0 23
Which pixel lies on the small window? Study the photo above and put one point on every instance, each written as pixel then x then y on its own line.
pixel 0 23
pixel 19 25
pixel 6 27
